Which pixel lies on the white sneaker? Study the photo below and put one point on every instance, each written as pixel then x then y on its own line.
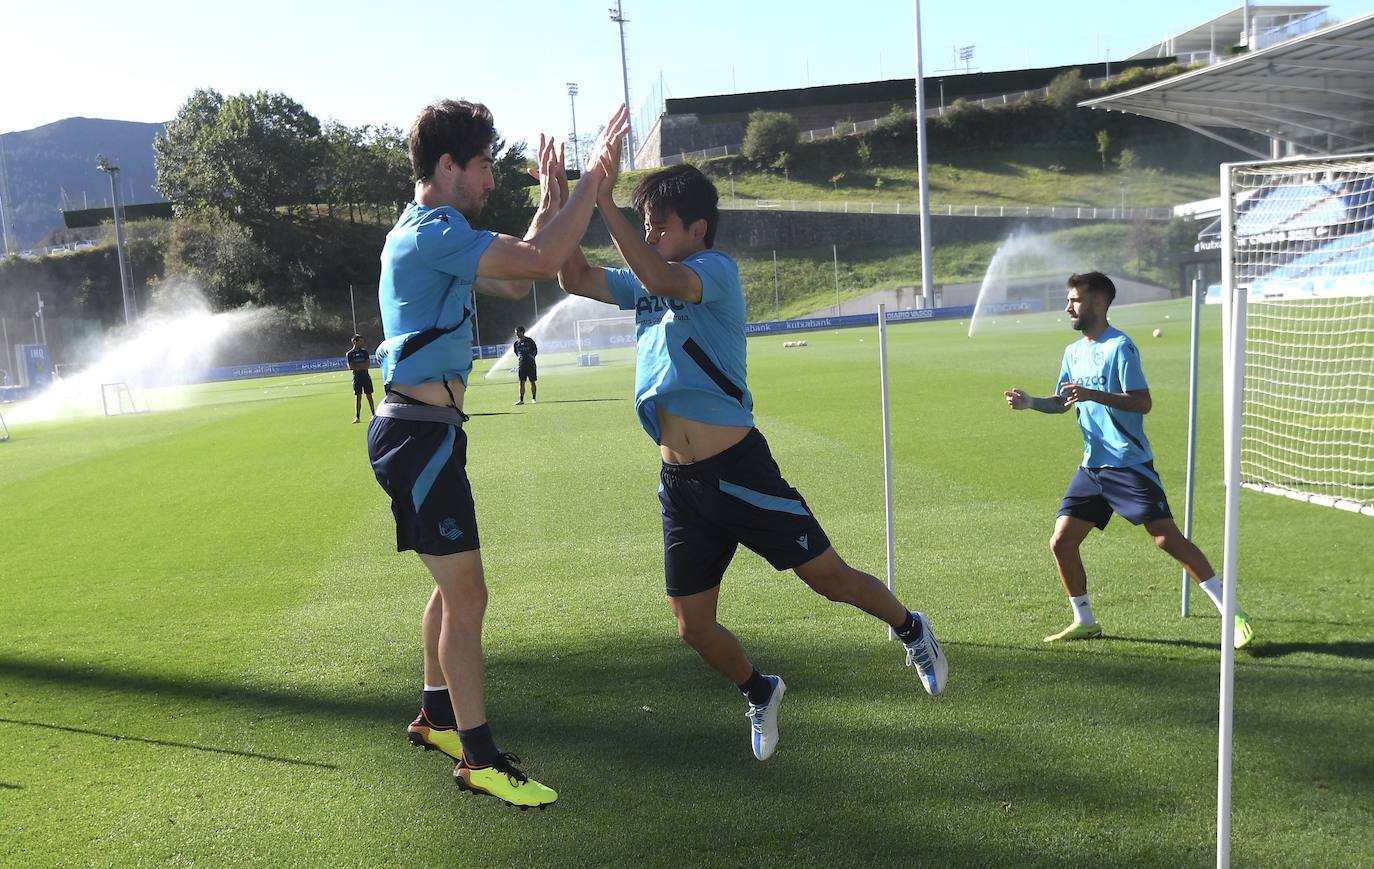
pixel 520 402
pixel 534 401
pixel 924 654
pixel 763 721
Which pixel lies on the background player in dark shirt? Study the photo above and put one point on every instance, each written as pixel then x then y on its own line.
pixel 525 351
pixel 358 362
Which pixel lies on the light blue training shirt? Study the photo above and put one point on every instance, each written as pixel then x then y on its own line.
pixel 1111 438
pixel 429 264
pixel 690 355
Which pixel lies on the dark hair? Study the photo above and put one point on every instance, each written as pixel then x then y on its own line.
pixel 455 127
pixel 519 328
pixel 1094 282
pixel 683 190
pixel 357 337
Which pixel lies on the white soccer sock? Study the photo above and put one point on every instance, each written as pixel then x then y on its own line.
pixel 436 687
pixel 1213 588
pixel 1082 610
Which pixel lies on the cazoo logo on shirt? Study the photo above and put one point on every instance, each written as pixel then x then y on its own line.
pixel 1094 380
pixel 651 309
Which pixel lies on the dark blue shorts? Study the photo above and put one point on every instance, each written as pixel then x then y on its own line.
pixel 362 382
pixel 423 467
pixel 529 371
pixel 737 496
pixel 1135 492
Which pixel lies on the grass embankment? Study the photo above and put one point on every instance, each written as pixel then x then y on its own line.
pixel 806 276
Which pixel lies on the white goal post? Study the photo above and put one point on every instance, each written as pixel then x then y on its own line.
pixel 116 399
pixel 1297 293
pixel 601 333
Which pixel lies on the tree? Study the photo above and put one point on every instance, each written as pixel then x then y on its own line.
pixel 769 134
pixel 241 156
pixel 508 208
pixel 344 170
pixel 187 172
pixel 389 179
pixel 1104 142
pixel 784 163
pixel 1066 90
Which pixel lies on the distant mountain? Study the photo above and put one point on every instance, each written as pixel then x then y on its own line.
pixel 52 167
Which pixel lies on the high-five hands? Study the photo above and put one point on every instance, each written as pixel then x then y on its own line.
pixel 553 179
pixel 605 159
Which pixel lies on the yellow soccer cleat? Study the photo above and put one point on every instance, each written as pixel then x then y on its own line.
pixel 1244 633
pixel 505 781
pixel 1076 631
pixel 423 734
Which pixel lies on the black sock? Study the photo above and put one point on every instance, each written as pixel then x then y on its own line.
pixel 756 688
pixel 910 629
pixel 438 707
pixel 479 748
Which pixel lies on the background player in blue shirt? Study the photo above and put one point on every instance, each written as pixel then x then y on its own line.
pixel 431 263
pixel 719 485
pixel 1102 381
pixel 359 360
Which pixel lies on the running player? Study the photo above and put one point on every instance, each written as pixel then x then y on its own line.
pixel 719 485
pixel 432 262
pixel 1102 381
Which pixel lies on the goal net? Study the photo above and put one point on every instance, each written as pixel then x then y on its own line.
pixel 1302 253
pixel 604 333
pixel 116 399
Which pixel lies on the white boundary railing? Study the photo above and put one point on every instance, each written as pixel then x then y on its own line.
pixel 844 206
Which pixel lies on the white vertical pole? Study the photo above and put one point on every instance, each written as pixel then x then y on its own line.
pixel 534 291
pixel 887 455
pixel 354 308
pixel 1192 434
pixel 775 283
pixel 1234 314
pixel 927 281
pixel 835 252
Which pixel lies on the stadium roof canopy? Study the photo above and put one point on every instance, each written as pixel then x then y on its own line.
pixel 1226 30
pixel 1314 92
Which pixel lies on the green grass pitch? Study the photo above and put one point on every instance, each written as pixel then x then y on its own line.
pixel 209 649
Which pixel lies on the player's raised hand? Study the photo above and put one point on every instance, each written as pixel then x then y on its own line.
pixel 552 177
pixel 1017 399
pixel 605 158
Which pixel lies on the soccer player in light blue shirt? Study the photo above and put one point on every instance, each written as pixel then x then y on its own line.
pixel 1102 381
pixel 432 262
pixel 719 486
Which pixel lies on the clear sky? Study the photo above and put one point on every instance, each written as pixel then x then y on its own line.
pixel 372 62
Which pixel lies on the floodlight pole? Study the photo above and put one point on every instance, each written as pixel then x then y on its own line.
pixel 125 279
pixel 572 101
pixel 354 308
pixel 41 324
pixel 619 18
pixel 927 282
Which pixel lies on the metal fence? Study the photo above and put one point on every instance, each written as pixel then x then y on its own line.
pixel 845 128
pixel 1065 212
